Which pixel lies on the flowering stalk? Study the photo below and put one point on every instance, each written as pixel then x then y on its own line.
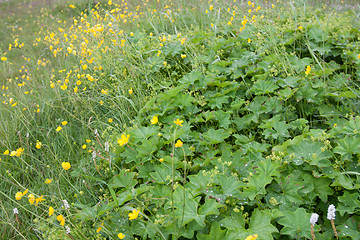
pixel 331 217
pixel 313 219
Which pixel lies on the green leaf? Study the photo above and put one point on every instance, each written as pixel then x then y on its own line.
pixel 348 203
pixel 223 118
pixel 350 228
pixel 347 147
pixel 257 183
pixel 259 224
pixel 216 136
pixel 296 224
pixel 215 233
pixel 321 187
pixel 262 87
pixel 124 179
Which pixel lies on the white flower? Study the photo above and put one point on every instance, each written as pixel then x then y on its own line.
pixel 106 146
pixel 331 212
pixel 66 204
pixel 94 155
pixel 67 229
pixel 313 219
pixel 15 211
pixel 96 132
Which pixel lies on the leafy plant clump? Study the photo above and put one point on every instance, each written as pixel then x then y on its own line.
pixel 254 141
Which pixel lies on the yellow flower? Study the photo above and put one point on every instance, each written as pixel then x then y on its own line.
pixel 134 214
pixel 110 2
pixel 121 235
pixel 301 28
pixel 98 229
pixel 179 143
pixel 252 237
pixel 61 219
pixel 38 145
pixel 110 120
pixel 83 146
pixel 154 120
pixel 48 181
pixel 64 123
pixel 131 91
pixel 183 55
pixel 359 56
pixel 3 59
pixel 39 199
pixel 58 129
pixel 6 152
pixel 31 198
pixel 211 7
pixel 308 69
pixel 178 122
pixel 84 67
pixel 88 140
pixel 18 195
pixel 124 140
pixel 161 160
pixel 51 211
pixel 66 165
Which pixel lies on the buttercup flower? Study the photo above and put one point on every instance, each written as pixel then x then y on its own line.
pixel 31 198
pixel 134 214
pixel 123 140
pixel 64 123
pixel 121 235
pixel 154 120
pixel 179 143
pixel 38 145
pixel 39 199
pixel 61 219
pixel 252 237
pixel 308 69
pixel 18 195
pixel 58 129
pixel 179 122
pixel 131 91
pixel 48 181
pixel 66 165
pixel 51 211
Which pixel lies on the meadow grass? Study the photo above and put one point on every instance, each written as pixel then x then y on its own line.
pixel 77 76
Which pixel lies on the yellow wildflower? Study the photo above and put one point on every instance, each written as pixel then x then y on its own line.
pixel 121 235
pixel 66 165
pixel 179 122
pixel 179 143
pixel 38 145
pixel 48 181
pixel 154 120
pixel 31 198
pixel 18 195
pixel 252 237
pixel 110 120
pixel 6 152
pixel 83 146
pixel 61 219
pixel 124 140
pixel 3 59
pixel 39 199
pixel 308 69
pixel 131 91
pixel 64 123
pixel 58 129
pixel 134 214
pixel 51 211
